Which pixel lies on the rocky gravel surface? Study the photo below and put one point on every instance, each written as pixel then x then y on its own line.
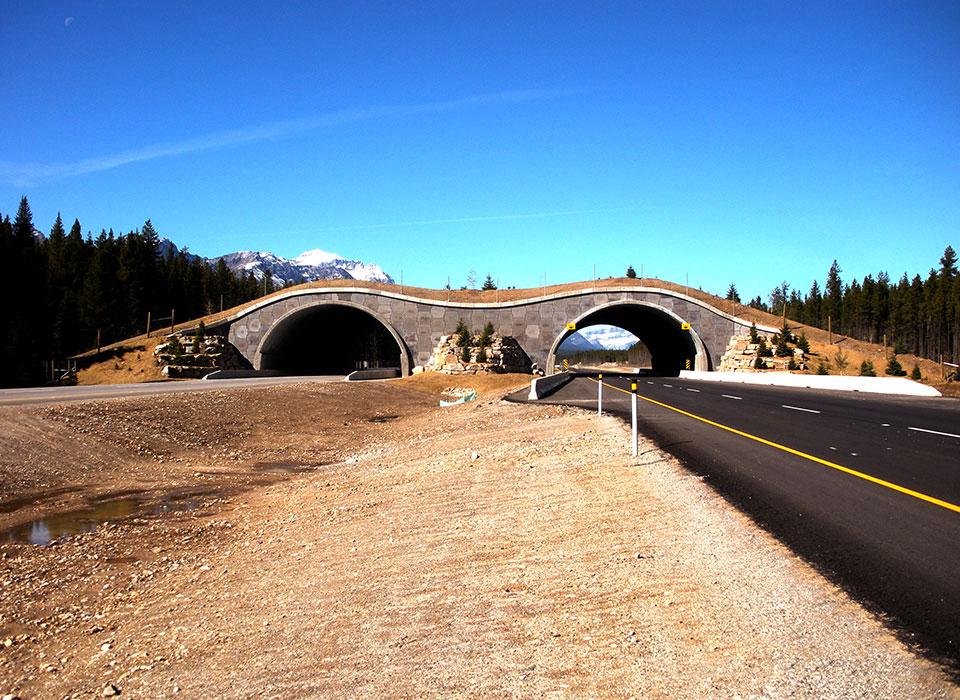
pixel 333 540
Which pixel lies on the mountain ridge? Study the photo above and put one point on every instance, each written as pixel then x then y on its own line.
pixel 309 266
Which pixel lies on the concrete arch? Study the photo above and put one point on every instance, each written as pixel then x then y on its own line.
pixel 281 334
pixel 660 329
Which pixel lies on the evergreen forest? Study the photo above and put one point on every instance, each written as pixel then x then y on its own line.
pixel 64 291
pixel 919 315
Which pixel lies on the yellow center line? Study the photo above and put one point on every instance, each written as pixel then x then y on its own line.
pixel 798 453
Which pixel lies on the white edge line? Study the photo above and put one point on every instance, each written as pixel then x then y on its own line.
pixel 797 408
pixel 934 432
pixel 735 398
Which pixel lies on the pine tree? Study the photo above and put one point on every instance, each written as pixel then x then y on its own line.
pixel 803 343
pixel 822 368
pixel 631 273
pixel 915 374
pixel 463 335
pixel 482 355
pixel 842 359
pixel 465 354
pixel 754 336
pixel 948 263
pixel 732 294
pixel 486 335
pixel 866 369
pixel 488 284
pixel 198 337
pixel 832 302
pixel 783 350
pixel 894 368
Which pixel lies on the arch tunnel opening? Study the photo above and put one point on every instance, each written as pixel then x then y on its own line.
pixel 671 347
pixel 600 344
pixel 329 339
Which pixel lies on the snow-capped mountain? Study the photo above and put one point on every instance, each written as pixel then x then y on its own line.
pixel 600 337
pixel 609 337
pixel 306 267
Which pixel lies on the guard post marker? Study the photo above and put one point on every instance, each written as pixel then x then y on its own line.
pixel 633 423
pixel 599 393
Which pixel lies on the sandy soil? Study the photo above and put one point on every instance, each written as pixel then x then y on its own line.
pixel 357 540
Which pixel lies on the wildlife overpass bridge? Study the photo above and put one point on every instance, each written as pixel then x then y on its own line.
pixel 338 326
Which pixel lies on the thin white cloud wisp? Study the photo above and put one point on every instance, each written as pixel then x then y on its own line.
pixel 21 174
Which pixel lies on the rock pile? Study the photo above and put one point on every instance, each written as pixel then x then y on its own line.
pixel 741 356
pixel 214 353
pixel 504 354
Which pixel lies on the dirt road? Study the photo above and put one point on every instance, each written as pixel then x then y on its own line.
pixel 357 541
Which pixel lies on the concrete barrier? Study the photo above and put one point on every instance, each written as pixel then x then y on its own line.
pixel 543 386
pixel 386 373
pixel 242 373
pixel 873 385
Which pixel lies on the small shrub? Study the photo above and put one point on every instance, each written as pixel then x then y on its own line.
pixel 786 334
pixel 763 350
pixel 463 335
pixel 803 343
pixel 465 354
pixel 175 348
pixel 894 368
pixel 783 350
pixel 486 336
pixel 754 336
pixel 199 337
pixel 915 374
pixel 866 369
pixel 842 359
pixel 482 355
pixel 822 368
pixel 759 363
pixel 792 365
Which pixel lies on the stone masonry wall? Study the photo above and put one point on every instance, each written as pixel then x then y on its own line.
pixel 503 355
pixel 535 323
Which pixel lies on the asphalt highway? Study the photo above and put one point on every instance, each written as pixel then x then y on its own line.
pixel 59 394
pixel 865 487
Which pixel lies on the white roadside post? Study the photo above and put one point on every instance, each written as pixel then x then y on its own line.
pixel 599 394
pixel 633 423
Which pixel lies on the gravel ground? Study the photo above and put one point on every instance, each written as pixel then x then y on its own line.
pixel 356 541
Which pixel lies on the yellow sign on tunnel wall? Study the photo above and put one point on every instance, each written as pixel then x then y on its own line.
pixel 684 326
pixel 571 326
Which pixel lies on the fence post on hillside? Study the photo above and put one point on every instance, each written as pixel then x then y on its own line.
pixel 599 394
pixel 633 422
pixel 148 324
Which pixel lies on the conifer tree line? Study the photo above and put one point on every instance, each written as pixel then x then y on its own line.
pixel 919 316
pixel 60 291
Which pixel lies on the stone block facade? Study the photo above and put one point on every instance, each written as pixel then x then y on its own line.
pixel 538 324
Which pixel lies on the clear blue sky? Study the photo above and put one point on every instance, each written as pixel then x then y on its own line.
pixel 751 142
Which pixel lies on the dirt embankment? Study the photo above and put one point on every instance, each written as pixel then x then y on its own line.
pixel 358 540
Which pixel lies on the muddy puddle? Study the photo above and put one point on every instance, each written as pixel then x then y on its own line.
pixel 47 529
pixel 43 531
pixel 115 505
